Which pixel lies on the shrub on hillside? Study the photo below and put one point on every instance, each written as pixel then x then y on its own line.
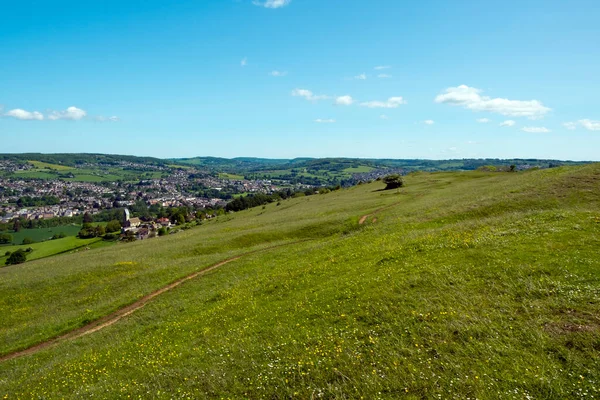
pixel 394 181
pixel 18 257
pixel 27 240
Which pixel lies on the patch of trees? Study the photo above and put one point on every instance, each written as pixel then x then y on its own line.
pixel 113 226
pixel 259 199
pixel 46 200
pixel 5 238
pixel 88 231
pixel 22 223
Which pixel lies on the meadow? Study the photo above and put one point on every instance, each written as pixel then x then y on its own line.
pixel 47 248
pixel 459 285
pixel 42 234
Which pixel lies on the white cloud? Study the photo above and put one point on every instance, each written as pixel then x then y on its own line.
pixel 429 122
pixel 383 116
pixel 272 3
pixel 590 125
pixel 535 129
pixel 586 123
pixel 361 77
pixel 244 62
pixel 71 113
pixel 384 76
pixel 472 99
pixel 278 73
pixel 25 115
pixel 483 120
pixel 392 102
pixel 325 121
pixel 382 67
pixel 509 122
pixel 344 100
pixel 308 95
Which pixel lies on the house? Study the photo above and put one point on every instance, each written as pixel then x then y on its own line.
pixel 142 233
pixel 165 222
pixel 133 223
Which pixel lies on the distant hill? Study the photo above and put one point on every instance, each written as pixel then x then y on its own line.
pixel 249 164
pixel 75 159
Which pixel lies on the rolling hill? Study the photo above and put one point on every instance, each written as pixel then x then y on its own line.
pixel 459 285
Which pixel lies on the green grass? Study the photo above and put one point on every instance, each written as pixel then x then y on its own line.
pixel 41 234
pixel 224 175
pixel 358 170
pixel 469 285
pixel 43 165
pixel 48 248
pixel 35 175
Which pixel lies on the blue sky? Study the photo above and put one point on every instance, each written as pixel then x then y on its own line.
pixel 291 78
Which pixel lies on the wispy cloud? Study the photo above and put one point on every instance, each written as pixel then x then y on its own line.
pixel 471 98
pixel 508 122
pixel 325 121
pixel 429 122
pixel 382 67
pixel 483 120
pixel 344 100
pixel 383 116
pixel 71 113
pixel 24 115
pixel 585 123
pixel 361 77
pixel 100 118
pixel 278 73
pixel 535 129
pixel 392 102
pixel 590 125
pixel 308 95
pixel 384 76
pixel 244 62
pixel 272 3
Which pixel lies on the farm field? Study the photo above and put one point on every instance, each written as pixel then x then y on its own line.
pixel 463 284
pixel 48 166
pixel 225 175
pixel 47 248
pixel 41 234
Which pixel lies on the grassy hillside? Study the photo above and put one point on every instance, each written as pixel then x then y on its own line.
pixel 480 285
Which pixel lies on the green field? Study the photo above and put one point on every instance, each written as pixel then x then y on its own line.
pixel 46 166
pixel 224 175
pixel 462 285
pixel 39 235
pixel 358 170
pixel 48 248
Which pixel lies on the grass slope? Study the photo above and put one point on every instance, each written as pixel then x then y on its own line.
pixel 41 234
pixel 48 248
pixel 471 285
